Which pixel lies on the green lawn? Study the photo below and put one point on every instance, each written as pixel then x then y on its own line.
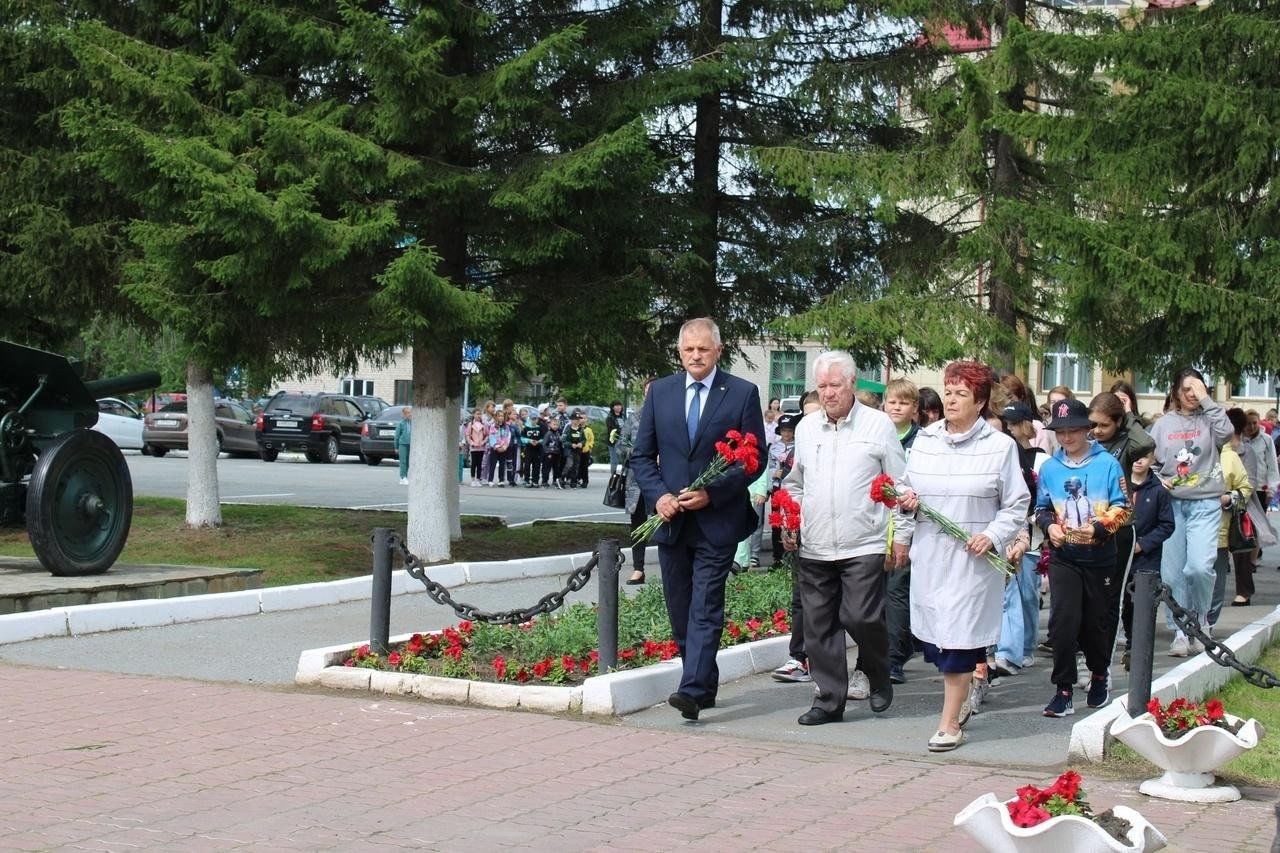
pixel 304 544
pixel 1258 766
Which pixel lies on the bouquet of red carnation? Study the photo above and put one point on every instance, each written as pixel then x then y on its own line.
pixel 735 449
pixel 784 515
pixel 1180 716
pixel 884 491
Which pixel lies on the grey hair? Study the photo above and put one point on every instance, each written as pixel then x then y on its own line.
pixel 836 358
pixel 705 324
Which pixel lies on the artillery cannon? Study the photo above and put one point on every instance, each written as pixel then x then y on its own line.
pixel 67 483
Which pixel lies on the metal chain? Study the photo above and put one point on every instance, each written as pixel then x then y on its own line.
pixel 548 603
pixel 1189 623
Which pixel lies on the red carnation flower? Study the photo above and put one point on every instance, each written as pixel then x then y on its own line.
pixel 500 667
pixel 393 659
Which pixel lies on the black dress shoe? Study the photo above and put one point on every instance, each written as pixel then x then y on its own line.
pixel 817 716
pixel 881 698
pixel 687 705
pixel 636 581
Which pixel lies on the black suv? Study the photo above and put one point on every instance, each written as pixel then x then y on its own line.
pixel 324 426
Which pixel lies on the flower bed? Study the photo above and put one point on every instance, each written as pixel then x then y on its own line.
pixel 561 649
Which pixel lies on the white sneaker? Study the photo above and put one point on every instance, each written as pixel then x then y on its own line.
pixel 404 481
pixel 859 686
pixel 978 693
pixel 1029 660
pixel 1180 647
pixel 793 671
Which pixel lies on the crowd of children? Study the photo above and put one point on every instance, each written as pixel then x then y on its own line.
pixel 545 447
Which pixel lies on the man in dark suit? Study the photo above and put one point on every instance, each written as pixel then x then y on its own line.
pixel 682 419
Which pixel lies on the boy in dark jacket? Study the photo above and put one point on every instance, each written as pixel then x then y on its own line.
pixel 1152 524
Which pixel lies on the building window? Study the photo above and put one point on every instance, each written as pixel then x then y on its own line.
pixel 358 387
pixel 1258 385
pixel 404 392
pixel 786 373
pixel 1061 365
pixel 1156 386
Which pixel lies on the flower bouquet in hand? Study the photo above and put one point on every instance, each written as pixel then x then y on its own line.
pixel 784 516
pixel 884 491
pixel 735 449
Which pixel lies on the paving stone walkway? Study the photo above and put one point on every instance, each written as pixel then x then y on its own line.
pixel 103 761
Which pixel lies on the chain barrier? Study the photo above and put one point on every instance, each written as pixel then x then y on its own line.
pixel 1188 621
pixel 440 594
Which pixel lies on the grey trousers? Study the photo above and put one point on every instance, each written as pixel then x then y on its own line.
pixel 839 596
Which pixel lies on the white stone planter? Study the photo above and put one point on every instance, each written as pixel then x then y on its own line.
pixel 1189 761
pixel 987 821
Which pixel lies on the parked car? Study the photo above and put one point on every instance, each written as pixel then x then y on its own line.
pixel 166 429
pixel 156 402
pixel 378 435
pixel 324 426
pixel 373 406
pixel 120 422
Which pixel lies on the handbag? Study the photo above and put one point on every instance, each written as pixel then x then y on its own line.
pixel 1241 535
pixel 615 494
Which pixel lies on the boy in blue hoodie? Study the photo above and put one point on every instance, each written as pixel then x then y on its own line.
pixel 1082 500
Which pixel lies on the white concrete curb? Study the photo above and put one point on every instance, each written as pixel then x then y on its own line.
pixel 119 615
pixel 1194 679
pixel 613 694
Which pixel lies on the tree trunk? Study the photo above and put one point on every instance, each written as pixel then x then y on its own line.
pixel 433 459
pixel 203 509
pixel 706 163
pixel 452 416
pixel 1007 183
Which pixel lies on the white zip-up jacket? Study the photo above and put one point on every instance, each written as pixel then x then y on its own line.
pixel 831 480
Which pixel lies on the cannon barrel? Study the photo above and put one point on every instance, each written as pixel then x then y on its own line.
pixel 126 384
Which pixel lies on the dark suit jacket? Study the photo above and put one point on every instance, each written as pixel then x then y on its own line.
pixel 662 460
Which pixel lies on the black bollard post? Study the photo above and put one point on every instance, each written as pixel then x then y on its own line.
pixel 1142 647
pixel 607 611
pixel 380 606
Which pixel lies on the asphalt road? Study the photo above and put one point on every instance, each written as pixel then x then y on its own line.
pixel 351 484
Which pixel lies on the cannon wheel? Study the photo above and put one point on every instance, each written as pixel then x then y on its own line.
pixel 79 504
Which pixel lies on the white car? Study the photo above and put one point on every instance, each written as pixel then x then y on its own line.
pixel 120 422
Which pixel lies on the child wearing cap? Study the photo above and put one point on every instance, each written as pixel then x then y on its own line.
pixel 1080 503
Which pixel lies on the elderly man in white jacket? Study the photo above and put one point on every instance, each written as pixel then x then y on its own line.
pixel 839 450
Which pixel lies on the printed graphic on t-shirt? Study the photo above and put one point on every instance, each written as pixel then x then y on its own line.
pixel 1076 511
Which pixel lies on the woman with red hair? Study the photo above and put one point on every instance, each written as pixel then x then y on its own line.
pixel 970 473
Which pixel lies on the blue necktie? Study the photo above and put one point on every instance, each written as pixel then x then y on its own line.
pixel 695 410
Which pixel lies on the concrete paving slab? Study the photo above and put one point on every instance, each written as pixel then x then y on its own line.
pixel 172 764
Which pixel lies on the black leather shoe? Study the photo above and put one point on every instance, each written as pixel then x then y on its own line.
pixel 634 581
pixel 881 698
pixel 687 705
pixel 817 716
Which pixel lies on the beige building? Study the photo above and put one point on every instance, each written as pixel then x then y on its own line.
pixel 784 371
